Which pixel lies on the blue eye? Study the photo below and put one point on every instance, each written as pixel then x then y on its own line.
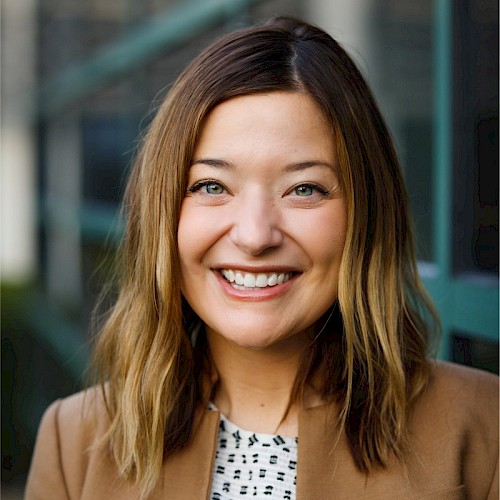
pixel 213 188
pixel 207 187
pixel 304 190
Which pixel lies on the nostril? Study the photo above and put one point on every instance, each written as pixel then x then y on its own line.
pixel 257 241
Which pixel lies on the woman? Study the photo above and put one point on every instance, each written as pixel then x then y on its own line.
pixel 271 335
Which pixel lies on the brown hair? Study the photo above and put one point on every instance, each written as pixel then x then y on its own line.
pixel 372 355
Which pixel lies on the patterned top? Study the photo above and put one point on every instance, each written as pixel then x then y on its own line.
pixel 248 464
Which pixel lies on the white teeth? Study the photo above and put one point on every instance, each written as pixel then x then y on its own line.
pixel 242 280
pixel 261 281
pixel 273 280
pixel 249 281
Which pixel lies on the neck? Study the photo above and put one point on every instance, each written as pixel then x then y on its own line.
pixel 255 385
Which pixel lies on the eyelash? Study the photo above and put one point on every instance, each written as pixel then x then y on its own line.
pixel 201 184
pixel 315 187
pixel 197 186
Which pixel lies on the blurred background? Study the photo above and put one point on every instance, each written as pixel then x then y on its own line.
pixel 79 82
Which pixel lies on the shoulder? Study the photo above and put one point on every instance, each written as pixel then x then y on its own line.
pixel 80 421
pixel 463 388
pixel 67 442
pixel 452 373
pixel 459 396
pixel 81 416
pixel 454 424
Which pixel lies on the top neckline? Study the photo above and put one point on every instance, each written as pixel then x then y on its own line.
pixel 245 434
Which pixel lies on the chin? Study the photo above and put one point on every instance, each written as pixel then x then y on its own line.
pixel 254 344
pixel 247 338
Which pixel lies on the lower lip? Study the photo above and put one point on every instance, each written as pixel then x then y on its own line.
pixel 255 294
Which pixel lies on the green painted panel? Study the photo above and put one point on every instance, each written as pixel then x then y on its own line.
pixel 442 200
pixel 475 308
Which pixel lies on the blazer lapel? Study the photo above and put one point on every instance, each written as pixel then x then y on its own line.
pixel 188 474
pixel 325 467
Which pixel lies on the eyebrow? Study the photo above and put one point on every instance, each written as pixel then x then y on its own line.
pixel 213 162
pixel 292 167
pixel 297 167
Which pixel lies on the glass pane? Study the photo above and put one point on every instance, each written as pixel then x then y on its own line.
pixel 402 76
pixel 475 137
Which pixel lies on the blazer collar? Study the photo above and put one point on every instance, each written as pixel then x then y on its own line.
pixel 188 474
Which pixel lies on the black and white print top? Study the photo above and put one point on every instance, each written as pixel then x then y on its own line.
pixel 248 464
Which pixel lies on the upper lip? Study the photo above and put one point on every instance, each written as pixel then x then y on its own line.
pixel 263 269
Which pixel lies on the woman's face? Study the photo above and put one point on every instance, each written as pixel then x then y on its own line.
pixel 263 223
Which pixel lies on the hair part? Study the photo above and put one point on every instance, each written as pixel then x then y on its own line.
pixel 371 357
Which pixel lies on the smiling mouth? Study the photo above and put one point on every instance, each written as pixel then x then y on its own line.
pixel 242 280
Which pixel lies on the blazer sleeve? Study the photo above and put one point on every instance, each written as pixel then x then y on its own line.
pixel 493 494
pixel 483 442
pixel 46 479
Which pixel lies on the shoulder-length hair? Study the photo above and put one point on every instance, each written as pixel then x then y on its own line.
pixel 371 357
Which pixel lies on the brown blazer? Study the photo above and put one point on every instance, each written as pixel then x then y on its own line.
pixel 454 451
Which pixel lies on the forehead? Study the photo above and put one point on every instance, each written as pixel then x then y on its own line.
pixel 266 124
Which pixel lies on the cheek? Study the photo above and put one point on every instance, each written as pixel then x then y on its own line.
pixel 198 230
pixel 189 242
pixel 334 240
pixel 324 235
pixel 188 236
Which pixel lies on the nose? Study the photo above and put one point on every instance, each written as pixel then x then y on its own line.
pixel 256 226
